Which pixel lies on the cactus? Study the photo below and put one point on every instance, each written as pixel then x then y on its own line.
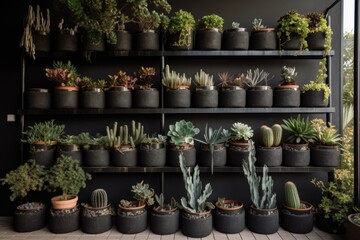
pixel 203 79
pixel 137 134
pixel 112 139
pixel 264 199
pixel 99 198
pixel 266 136
pixel 292 198
pixel 174 80
pixel 277 132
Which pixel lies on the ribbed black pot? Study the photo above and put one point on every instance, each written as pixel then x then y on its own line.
pixel 196 226
pixel 286 97
pixel 271 157
pixel 92 98
pixel 66 42
pixel 297 220
pixel 124 157
pixel 293 44
pixel 316 41
pixel 236 155
pixel 118 97
pixel 146 98
pixel 295 155
pixel 235 39
pixel 205 98
pixel 38 98
pixel 65 98
pixel 260 96
pixel 219 155
pixel 64 221
pixel 41 41
pixel 264 39
pixel 164 223
pixel 146 41
pixel 123 42
pixel 263 221
pixel 96 157
pixel 328 224
pixel 88 46
pixel 177 98
pixel 151 156
pixel 172 156
pixel 229 221
pixel 70 150
pixel 93 221
pixel 28 220
pixel 172 42
pixel 313 99
pixel 131 224
pixel 209 39
pixel 323 156
pixel 232 97
pixel 352 229
pixel 43 154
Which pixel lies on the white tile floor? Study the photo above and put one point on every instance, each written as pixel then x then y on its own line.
pixel 7 233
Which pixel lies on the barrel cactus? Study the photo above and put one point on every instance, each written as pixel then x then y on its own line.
pixel 99 198
pixel 292 198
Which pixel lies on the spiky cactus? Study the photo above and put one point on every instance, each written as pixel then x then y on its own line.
pixel 292 198
pixel 266 136
pixel 264 199
pixel 99 198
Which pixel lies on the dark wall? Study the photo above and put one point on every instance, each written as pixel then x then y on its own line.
pixel 231 185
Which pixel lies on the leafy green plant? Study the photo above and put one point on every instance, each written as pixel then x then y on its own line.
pixel 300 130
pixel 173 80
pixel 147 141
pixel 182 132
pixel 182 22
pixel 325 134
pixel 203 79
pixel 90 83
pixel 210 22
pixel 44 132
pixel 241 132
pixel 63 74
pixel 318 85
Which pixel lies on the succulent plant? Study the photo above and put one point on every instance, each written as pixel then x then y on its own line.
pixel 211 21
pixel 257 24
pixel 288 75
pixel 241 132
pixel 300 130
pixel 182 132
pixel 44 132
pixel 270 136
pixel 257 76
pixel 143 193
pixel 160 200
pixel 203 79
pixel 292 198
pixel 174 80
pixel 99 198
pixel 124 137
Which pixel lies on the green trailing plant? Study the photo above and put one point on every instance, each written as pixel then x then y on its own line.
pixel 196 200
pixel 182 132
pixel 27 177
pixel 292 198
pixel 121 79
pixel 261 188
pixel 318 85
pixel 299 129
pixel 66 175
pixel 270 136
pixel 99 198
pixel 203 79
pixel 241 132
pixel 63 74
pixel 293 23
pixel 90 83
pixel 44 132
pixel 210 22
pixel 325 134
pixel 183 23
pixel 174 80
pixel 257 76
pixel 288 75
pixel 162 206
pixel 145 77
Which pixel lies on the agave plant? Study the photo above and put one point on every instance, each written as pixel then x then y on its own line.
pixel 300 130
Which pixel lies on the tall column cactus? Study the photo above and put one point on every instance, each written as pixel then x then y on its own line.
pixel 270 137
pixel 277 132
pixel 292 198
pixel 99 198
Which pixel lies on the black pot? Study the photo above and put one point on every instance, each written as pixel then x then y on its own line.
pixel 131 224
pixel 123 41
pixel 118 97
pixel 293 44
pixel 316 41
pixel 323 156
pixel 92 98
pixel 264 39
pixel 194 226
pixel 263 221
pixel 232 97
pixel 71 150
pixel 96 157
pixel 164 223
pixel 64 220
pixel 28 220
pixel 43 154
pixel 38 98
pixel 260 96
pixel 209 39
pixel 146 41
pixel 297 220
pixel 219 155
pixel 149 156
pixel 88 46
pixel 235 39
pixel 66 42
pixel 328 224
pixel 286 97
pixel 205 98
pixel 96 220
pixel 172 42
pixel 313 99
pixel 172 156
pixel 296 155
pixel 352 228
pixel 177 98
pixel 41 41
pixel 148 98
pixel 236 155
pixel 63 98
pixel 269 156
pixel 123 157
pixel 229 221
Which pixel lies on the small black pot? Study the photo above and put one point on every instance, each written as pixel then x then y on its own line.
pixel 71 150
pixel 286 97
pixel 259 96
pixel 205 97
pixel 43 154
pixel 123 157
pixel 269 156
pixel 352 228
pixel 293 44
pixel 236 155
pixel 88 46
pixel 219 156
pixel 232 97
pixel 295 155
pixel 96 220
pixel 146 41
pixel 177 98
pixel 96 156
pixel 146 98
pixel 229 220
pixel 41 41
pixel 264 39
pixel 164 223
pixel 324 156
pixel 316 41
pixel 196 225
pixel 313 99
pixel 150 156
pixel 66 42
pixel 65 98
pixel 263 221
pixel 118 97
pixel 172 42
pixel 131 224
pixel 235 39
pixel 172 156
pixel 123 41
pixel 297 220
pixel 28 220
pixel 38 98
pixel 64 220
pixel 92 98
pixel 209 39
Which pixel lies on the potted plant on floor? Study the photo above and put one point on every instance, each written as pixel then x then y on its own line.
pixel 232 91
pixel 119 90
pixel 353 226
pixel 209 32
pixel 258 95
pixel 180 31
pixel 29 216
pixel 96 152
pixel 145 95
pixel 196 218
pixel 181 139
pixel 287 94
pixel 96 217
pixel 152 151
pixel 296 215
pixel 132 215
pixel 92 94
pixel 177 92
pixel 164 218
pixel 262 37
pixel 269 150
pixel 205 94
pixel 263 213
pixel 235 38
pixel 238 144
pixel 229 216
pixel 296 151
pixel 67 176
pixel 42 138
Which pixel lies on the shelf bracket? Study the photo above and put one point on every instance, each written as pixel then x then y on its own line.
pixel 330 7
